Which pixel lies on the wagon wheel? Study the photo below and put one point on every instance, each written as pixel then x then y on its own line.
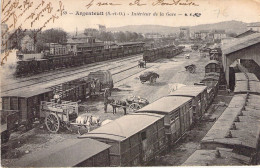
pixel 52 122
pixel 134 107
pixel 68 126
pixel 152 79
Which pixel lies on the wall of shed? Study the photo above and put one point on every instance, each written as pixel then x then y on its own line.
pixel 251 53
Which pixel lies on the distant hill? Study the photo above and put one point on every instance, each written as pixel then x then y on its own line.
pixel 229 26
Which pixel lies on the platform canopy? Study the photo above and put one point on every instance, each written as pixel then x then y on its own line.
pixel 247 47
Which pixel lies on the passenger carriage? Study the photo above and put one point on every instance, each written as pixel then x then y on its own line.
pixel 178 114
pixel 135 139
pixel 69 153
pixel 199 97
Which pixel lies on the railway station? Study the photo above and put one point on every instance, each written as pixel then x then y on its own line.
pixel 91 103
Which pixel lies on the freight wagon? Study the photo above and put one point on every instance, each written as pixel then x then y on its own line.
pixel 79 58
pixel 21 108
pixel 178 114
pixel 69 153
pixel 135 139
pixel 199 95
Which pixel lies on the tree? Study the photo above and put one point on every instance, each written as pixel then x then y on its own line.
pixel 91 32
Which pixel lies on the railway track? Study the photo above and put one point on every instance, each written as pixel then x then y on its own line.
pixel 53 77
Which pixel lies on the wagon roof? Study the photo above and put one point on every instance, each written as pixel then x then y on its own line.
pixel 188 91
pixel 213 62
pixel 247 130
pixel 165 104
pixel 68 153
pixel 124 127
pixel 26 92
pixel 208 158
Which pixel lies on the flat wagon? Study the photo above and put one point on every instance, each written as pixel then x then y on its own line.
pixel 135 139
pixel 178 114
pixel 69 153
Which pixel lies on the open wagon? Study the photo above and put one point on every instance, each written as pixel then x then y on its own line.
pixel 149 76
pixel 58 114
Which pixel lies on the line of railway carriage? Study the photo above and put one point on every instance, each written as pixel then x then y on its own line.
pixel 25 67
pixel 153 54
pixel 234 138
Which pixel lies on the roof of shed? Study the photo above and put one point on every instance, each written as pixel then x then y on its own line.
pixel 64 154
pixel 208 158
pixel 241 43
pixel 124 127
pixel 247 130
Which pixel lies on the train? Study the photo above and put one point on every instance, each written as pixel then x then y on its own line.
pixel 237 142
pixel 48 62
pixel 169 51
pixel 137 138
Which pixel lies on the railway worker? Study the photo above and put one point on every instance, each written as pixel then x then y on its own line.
pixel 106 94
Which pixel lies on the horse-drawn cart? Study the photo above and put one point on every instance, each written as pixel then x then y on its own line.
pixel 133 103
pixel 58 114
pixel 191 68
pixel 149 76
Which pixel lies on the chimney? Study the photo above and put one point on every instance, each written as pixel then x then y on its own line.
pixel 229 135
pixel 233 127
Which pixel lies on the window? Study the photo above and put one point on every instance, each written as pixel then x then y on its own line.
pixel 143 136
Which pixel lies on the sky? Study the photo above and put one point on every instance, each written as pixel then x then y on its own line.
pixel 66 14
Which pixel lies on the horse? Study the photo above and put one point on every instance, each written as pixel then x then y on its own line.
pixel 116 104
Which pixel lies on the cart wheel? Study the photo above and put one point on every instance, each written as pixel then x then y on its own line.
pixel 52 123
pixel 134 107
pixel 192 69
pixel 151 79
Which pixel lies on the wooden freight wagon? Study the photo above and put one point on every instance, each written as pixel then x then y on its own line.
pixel 22 107
pixel 178 115
pixel 135 139
pixel 199 98
pixel 69 153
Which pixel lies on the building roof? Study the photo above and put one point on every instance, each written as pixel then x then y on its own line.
pixel 190 91
pixel 68 153
pixel 246 33
pixel 124 127
pixel 241 43
pixel 208 158
pixel 165 105
pixel 247 132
